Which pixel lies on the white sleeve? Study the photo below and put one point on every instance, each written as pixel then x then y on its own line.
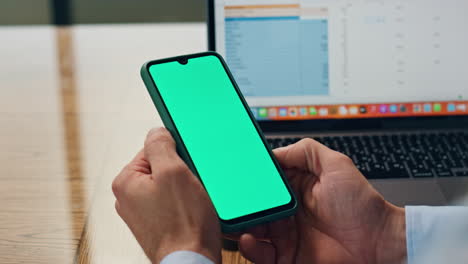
pixel 437 234
pixel 185 257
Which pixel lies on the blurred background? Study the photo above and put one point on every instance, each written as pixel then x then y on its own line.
pixel 73 112
pixel 24 12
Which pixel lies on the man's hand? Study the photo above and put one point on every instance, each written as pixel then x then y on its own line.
pixel 164 204
pixel 340 218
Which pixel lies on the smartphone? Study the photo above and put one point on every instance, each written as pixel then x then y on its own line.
pixel 219 139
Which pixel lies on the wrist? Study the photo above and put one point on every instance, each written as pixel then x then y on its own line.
pixel 391 244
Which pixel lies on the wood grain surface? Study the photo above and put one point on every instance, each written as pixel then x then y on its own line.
pixel 40 216
pixel 73 111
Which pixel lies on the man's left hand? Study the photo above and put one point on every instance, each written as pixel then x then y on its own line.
pixel 164 204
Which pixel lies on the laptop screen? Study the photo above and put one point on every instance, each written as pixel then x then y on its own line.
pixel 328 59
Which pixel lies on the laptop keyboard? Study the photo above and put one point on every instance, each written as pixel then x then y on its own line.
pixel 400 155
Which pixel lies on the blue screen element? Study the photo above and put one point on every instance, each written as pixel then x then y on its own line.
pixel 278 56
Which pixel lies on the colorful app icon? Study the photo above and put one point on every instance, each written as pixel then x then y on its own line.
pixel 303 111
pixel 373 109
pixel 427 108
pixel 437 107
pixel 451 107
pixel 272 112
pixel 461 107
pixel 393 109
pixel 313 111
pixel 383 109
pixel 323 111
pixel 353 110
pixel 362 109
pixel 343 110
pixel 292 111
pixel 254 112
pixel 263 112
pixel 416 108
pixel 333 110
pixel 403 108
pixel 283 112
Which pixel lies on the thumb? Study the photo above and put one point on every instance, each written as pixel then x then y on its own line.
pixel 160 149
pixel 258 252
pixel 306 155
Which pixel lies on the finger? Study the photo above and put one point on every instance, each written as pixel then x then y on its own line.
pixel 160 151
pixel 118 208
pixel 303 155
pixel 308 155
pixel 259 232
pixel 136 166
pixel 232 236
pixel 140 164
pixel 284 237
pixel 119 184
pixel 258 252
pixel 123 212
pixel 140 156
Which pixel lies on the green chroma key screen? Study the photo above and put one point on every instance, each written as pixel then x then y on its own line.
pixel 223 143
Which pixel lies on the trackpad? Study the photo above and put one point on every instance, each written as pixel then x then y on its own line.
pixel 410 192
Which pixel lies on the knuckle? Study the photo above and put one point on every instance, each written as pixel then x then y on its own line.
pixel 308 144
pixel 126 169
pixel 307 141
pixel 121 211
pixel 117 207
pixel 159 139
pixel 157 136
pixel 156 130
pixel 131 168
pixel 118 185
pixel 343 159
pixel 181 168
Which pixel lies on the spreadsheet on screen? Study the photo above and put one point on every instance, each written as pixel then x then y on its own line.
pixel 345 51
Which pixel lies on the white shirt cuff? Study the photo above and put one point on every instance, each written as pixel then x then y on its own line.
pixel 185 257
pixel 436 234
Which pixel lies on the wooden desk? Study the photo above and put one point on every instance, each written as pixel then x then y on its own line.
pixel 73 111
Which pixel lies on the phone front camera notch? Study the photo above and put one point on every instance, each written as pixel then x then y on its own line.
pixel 183 61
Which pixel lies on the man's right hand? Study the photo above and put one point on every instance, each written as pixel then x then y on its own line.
pixel 341 218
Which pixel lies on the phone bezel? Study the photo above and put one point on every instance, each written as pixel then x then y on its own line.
pixel 254 218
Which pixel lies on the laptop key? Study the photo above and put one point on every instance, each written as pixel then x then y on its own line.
pixel 422 174
pixel 391 156
pixel 377 174
pixel 420 171
pixel 444 173
pixel 461 173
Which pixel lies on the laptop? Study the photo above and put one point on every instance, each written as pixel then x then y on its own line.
pixel 384 82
